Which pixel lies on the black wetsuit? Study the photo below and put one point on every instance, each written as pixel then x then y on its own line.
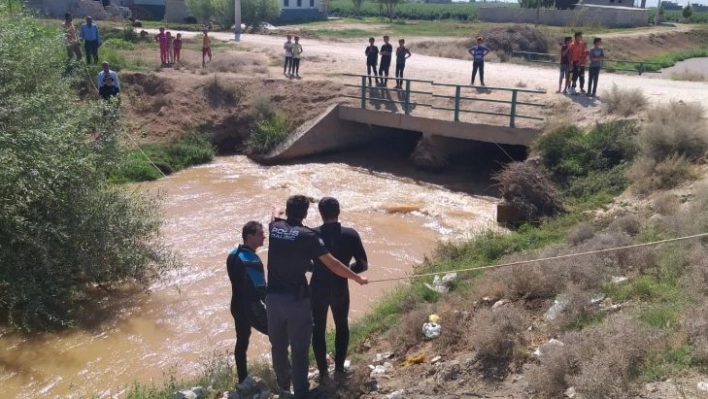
pixel 248 287
pixel 330 290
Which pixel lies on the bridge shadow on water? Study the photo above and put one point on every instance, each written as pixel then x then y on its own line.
pixel 470 170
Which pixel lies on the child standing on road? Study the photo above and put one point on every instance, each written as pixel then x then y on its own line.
pixel 564 65
pixel 170 48
pixel 161 38
pixel 597 55
pixel 206 47
pixel 578 54
pixel 178 46
pixel 372 57
pixel 288 47
pixel 402 54
pixel 297 51
pixel 478 52
pixel 385 64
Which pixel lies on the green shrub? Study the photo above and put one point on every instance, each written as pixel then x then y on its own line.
pixel 586 164
pixel 153 161
pixel 64 231
pixel 267 134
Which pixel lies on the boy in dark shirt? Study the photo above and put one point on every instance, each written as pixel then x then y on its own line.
pixel 478 52
pixel 402 54
pixel 372 56
pixel 597 55
pixel 108 90
pixel 564 65
pixel 386 51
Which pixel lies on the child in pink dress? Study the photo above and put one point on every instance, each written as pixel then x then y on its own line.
pixel 170 48
pixel 162 39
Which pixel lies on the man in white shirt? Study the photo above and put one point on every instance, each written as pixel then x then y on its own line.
pixel 107 72
pixel 288 47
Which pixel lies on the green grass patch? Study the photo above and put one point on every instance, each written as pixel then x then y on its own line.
pixel 666 363
pixel 663 316
pixel 662 61
pixel 267 134
pixel 191 149
pixel 646 288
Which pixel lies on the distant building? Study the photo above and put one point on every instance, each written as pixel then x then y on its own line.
pixel 303 10
pixel 615 3
pixel 671 6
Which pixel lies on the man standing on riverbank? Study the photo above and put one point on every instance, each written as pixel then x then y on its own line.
pixel 372 57
pixel 291 250
pixel 330 290
pixel 92 40
pixel 73 48
pixel 248 290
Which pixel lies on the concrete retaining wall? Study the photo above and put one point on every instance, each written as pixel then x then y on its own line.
pixel 324 134
pixel 611 17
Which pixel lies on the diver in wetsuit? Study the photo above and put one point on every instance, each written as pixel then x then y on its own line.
pixel 332 291
pixel 248 289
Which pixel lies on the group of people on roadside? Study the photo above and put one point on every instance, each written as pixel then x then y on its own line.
pixel 88 32
pixel 573 59
pixel 372 54
pixel 293 50
pixel 170 47
pixel 284 306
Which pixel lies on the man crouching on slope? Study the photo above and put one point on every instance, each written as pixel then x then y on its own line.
pixel 291 250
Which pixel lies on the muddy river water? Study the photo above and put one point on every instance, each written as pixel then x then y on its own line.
pixel 186 317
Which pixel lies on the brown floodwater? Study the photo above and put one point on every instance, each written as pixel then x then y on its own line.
pixel 185 318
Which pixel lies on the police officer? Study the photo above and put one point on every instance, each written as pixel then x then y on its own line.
pixel 291 250
pixel 248 290
pixel 330 290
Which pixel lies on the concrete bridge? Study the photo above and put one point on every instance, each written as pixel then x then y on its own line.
pixel 345 125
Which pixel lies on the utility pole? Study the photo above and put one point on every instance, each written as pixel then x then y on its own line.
pixel 538 11
pixel 237 15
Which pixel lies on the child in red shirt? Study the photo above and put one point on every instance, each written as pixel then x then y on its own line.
pixel 162 39
pixel 178 46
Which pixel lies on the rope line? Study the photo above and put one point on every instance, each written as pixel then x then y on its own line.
pixel 523 262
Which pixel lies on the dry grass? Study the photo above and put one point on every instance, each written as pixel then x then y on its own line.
pixel 456 49
pixel 521 84
pixel 495 337
pixel 548 378
pixel 666 204
pixel 623 102
pixel 675 129
pixel 630 224
pixel 582 232
pixel 520 282
pixel 688 76
pixel 528 192
pixel 649 175
pixel 408 333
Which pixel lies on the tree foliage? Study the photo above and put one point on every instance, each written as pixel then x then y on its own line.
pixel 357 6
pixel 534 3
pixel 64 231
pixel 253 12
pixel 687 11
pixel 388 7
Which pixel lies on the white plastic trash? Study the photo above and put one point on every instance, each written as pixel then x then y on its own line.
pixel 431 330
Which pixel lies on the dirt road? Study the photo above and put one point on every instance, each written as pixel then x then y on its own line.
pixel 329 60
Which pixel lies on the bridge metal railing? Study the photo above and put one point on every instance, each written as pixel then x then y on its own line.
pixel 640 66
pixel 458 98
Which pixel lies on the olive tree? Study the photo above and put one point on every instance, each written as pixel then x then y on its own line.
pixel 253 12
pixel 687 11
pixel 65 232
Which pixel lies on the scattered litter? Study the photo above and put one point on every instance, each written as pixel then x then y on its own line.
pixel 433 318
pixel 194 393
pixel 380 357
pixel 442 285
pixel 559 305
pixel 435 359
pixel 487 299
pixel 570 392
pixel 395 395
pixel 415 359
pixel 551 342
pixel 703 386
pixel 500 303
pixel 619 279
pixel 431 330
pixel 380 370
pixel 611 308
pixel 597 299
